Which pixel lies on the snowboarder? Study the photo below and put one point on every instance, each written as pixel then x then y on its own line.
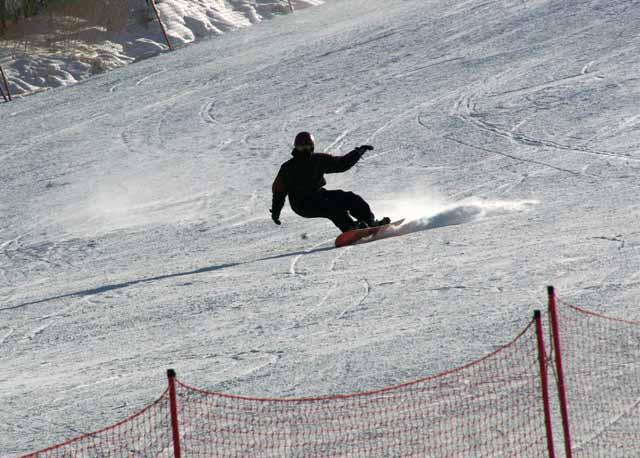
pixel 302 179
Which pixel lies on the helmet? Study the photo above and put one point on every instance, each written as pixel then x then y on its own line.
pixel 304 141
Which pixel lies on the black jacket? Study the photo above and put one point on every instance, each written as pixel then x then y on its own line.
pixel 304 175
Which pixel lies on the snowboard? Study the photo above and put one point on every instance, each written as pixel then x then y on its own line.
pixel 368 234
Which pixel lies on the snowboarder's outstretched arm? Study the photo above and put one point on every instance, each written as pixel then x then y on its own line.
pixel 338 164
pixel 279 196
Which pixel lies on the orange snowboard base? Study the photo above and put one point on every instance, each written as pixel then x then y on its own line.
pixel 368 234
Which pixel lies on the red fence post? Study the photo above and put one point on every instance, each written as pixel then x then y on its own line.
pixel 164 31
pixel 171 375
pixel 6 85
pixel 542 358
pixel 562 394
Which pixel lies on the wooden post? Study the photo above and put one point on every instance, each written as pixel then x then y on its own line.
pixel 164 31
pixel 173 404
pixel 6 85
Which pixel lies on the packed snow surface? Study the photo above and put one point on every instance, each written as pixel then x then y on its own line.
pixel 134 226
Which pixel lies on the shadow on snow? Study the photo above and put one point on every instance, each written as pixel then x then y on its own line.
pixel 116 286
pixel 458 214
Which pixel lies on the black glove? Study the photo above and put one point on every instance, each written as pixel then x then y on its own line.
pixel 275 217
pixel 363 149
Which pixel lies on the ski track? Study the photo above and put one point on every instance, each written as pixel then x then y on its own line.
pixel 126 141
pixel 55 318
pixel 6 244
pixel 335 283
pixel 386 125
pixel 351 101
pixel 409 113
pixel 115 87
pixel 313 312
pixel 57 254
pixel 519 124
pixel 378 37
pixel 150 75
pixel 332 288
pixel 548 85
pixel 294 262
pixel 466 109
pixel 271 357
pixel 612 130
pixel 35 332
pixel 420 69
pixel 236 216
pixel 395 119
pixel 585 69
pixel 339 140
pixel 33 141
pixel 4 338
pixel 511 186
pixel 332 266
pixel 244 216
pixel 516 158
pixel 473 191
pixel 17 241
pixel 350 310
pixel 384 153
pixel 154 144
pixel 300 321
pixel 205 113
pixel 138 112
pixel 159 131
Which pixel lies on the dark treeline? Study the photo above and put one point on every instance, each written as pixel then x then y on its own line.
pixel 15 10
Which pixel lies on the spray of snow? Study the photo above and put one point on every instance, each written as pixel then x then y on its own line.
pixel 425 209
pixel 117 203
pixel 471 209
pixel 412 205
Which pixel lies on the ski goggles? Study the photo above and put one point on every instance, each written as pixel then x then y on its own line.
pixel 305 148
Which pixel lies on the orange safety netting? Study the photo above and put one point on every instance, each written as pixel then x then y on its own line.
pixel 145 434
pixel 601 365
pixel 492 406
pixel 487 408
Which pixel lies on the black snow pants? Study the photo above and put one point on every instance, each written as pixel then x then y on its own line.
pixel 339 206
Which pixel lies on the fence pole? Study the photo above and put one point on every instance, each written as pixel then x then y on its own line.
pixel 290 6
pixel 171 375
pixel 562 394
pixel 164 31
pixel 2 94
pixel 542 358
pixel 6 85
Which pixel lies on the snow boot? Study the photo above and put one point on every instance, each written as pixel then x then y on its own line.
pixel 381 222
pixel 374 222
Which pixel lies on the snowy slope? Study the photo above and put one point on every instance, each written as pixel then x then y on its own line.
pixel 135 235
